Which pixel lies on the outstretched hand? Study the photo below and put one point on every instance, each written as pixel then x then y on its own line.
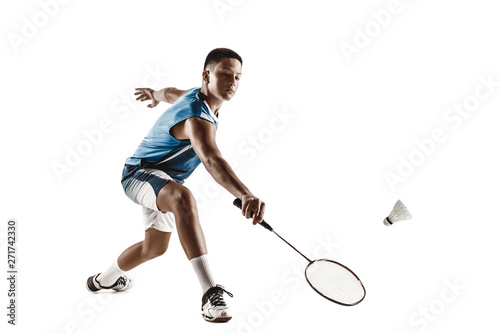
pixel 146 94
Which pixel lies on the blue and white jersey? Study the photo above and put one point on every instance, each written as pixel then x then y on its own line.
pixel 160 150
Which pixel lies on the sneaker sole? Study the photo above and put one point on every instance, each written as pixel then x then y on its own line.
pixel 217 320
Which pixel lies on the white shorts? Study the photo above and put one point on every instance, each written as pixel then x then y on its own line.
pixel 142 186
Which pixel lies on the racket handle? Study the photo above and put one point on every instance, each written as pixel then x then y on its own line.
pixel 237 202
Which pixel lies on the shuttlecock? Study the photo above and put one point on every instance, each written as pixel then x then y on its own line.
pixel 399 213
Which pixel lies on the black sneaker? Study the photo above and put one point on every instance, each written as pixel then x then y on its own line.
pixel 123 283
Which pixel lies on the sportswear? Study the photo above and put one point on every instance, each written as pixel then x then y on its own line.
pixel 213 306
pixel 123 283
pixel 161 150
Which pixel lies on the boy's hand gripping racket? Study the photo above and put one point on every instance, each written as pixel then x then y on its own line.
pixel 329 278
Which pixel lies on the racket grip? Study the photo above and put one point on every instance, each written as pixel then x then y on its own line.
pixel 237 202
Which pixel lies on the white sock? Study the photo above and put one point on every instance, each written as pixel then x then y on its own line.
pixel 109 277
pixel 202 270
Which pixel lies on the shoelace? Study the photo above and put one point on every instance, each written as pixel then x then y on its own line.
pixel 121 281
pixel 216 296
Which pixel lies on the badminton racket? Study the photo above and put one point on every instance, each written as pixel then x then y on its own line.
pixel 330 279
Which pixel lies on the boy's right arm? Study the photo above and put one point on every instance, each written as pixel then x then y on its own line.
pixel 167 95
pixel 201 133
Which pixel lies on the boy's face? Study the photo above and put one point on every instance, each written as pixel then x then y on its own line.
pixel 224 79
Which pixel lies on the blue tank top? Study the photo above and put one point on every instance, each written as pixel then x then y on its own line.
pixel 160 150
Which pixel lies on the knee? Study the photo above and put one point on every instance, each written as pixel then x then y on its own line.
pixel 184 202
pixel 155 250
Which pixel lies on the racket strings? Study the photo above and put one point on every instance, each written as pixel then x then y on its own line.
pixel 335 282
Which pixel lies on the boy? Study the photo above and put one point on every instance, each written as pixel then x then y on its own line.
pixel 181 139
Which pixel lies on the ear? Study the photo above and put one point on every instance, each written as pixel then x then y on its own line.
pixel 206 76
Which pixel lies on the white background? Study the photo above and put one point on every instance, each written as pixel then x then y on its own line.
pixel 322 170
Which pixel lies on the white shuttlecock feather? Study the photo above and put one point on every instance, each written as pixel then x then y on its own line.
pixel 399 213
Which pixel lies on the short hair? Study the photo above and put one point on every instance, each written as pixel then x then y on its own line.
pixel 216 55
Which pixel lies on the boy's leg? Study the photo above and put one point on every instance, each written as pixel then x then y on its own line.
pixel 142 187
pixel 176 198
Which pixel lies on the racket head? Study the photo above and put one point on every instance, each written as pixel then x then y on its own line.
pixel 335 282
